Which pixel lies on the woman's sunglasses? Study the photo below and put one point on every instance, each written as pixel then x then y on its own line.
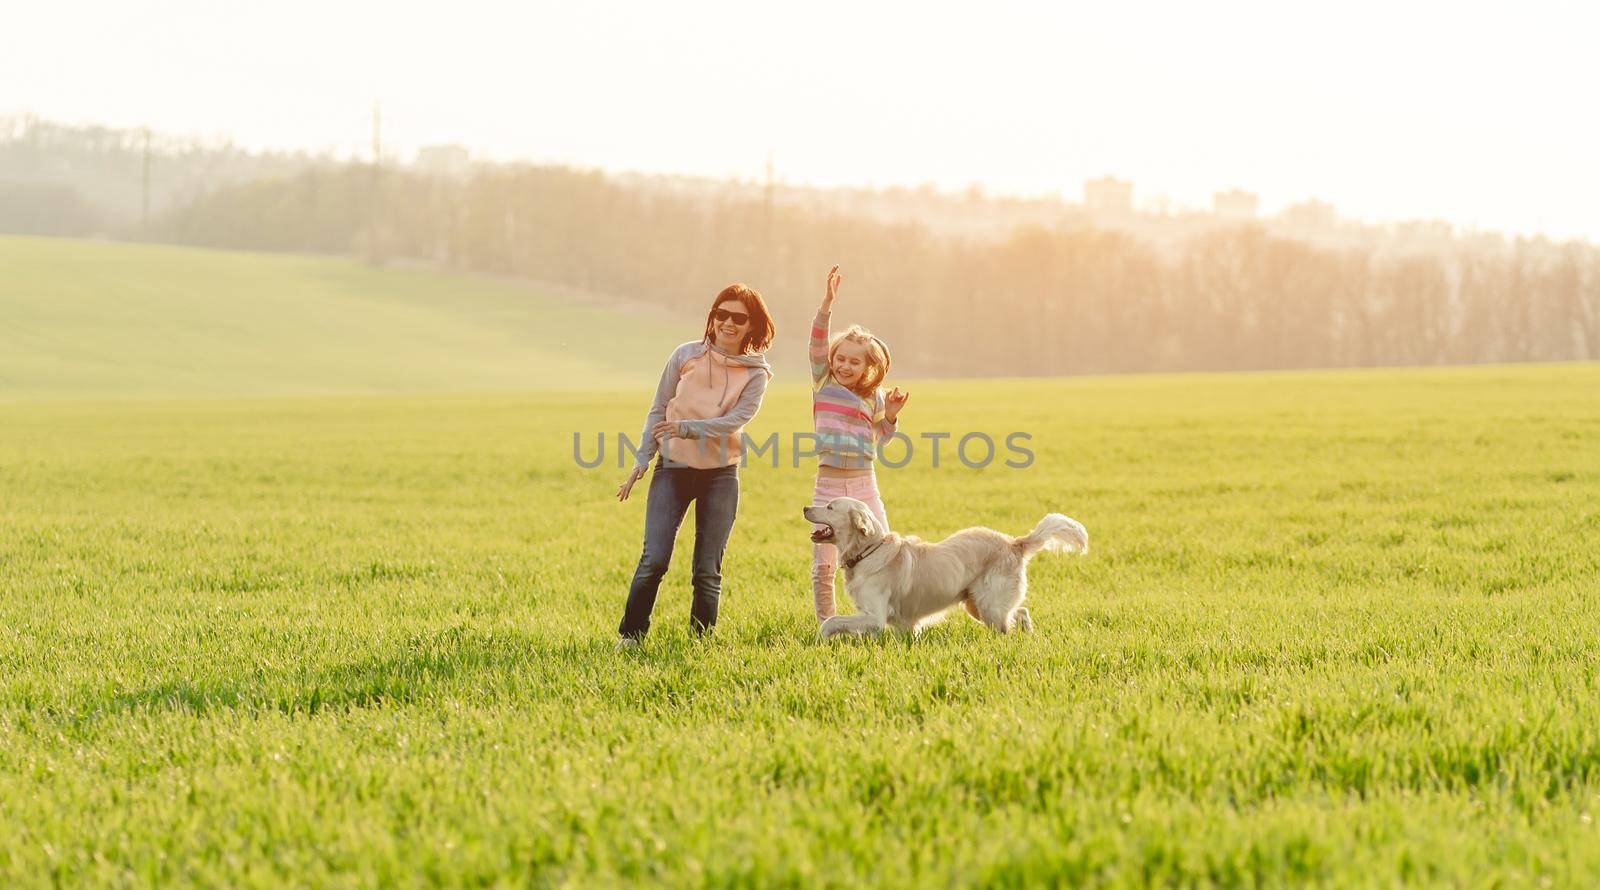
pixel 722 315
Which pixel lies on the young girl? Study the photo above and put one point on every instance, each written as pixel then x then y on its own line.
pixel 852 416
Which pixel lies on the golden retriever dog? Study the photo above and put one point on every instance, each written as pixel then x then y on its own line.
pixel 907 583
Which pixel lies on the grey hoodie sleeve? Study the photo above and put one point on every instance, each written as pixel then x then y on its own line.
pixel 665 390
pixel 741 413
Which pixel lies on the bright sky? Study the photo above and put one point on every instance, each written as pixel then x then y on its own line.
pixel 1482 115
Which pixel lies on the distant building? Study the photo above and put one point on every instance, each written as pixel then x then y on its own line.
pixel 1429 232
pixel 1485 242
pixel 1108 197
pixel 1234 204
pixel 446 161
pixel 1311 217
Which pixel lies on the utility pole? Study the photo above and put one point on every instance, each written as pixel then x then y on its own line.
pixel 768 248
pixel 374 252
pixel 768 201
pixel 144 206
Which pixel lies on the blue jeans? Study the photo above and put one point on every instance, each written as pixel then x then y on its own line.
pixel 672 489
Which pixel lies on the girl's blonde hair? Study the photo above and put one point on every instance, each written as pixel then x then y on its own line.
pixel 877 358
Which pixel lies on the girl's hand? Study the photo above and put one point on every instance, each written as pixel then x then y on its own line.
pixel 627 484
pixel 894 401
pixel 664 429
pixel 834 279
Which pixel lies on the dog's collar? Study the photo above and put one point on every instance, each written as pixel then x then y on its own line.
pixel 851 562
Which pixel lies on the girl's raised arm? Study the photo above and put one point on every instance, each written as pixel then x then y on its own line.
pixel 819 328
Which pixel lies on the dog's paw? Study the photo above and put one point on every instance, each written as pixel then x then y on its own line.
pixel 1021 620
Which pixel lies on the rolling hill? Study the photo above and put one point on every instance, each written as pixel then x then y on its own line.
pixel 97 319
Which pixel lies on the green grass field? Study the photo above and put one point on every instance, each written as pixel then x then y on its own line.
pixel 80 319
pixel 1334 627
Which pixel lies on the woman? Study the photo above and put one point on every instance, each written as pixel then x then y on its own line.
pixel 709 390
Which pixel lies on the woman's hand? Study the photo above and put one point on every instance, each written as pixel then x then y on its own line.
pixel 893 402
pixel 834 279
pixel 627 484
pixel 665 429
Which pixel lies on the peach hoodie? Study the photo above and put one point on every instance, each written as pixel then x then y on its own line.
pixel 711 394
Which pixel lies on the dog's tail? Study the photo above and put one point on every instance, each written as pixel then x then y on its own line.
pixel 1054 532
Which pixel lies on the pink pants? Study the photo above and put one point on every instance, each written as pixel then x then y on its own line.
pixel 825 557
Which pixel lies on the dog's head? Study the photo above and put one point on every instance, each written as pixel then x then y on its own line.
pixel 843 521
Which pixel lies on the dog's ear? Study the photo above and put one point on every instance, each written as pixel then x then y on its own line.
pixel 864 522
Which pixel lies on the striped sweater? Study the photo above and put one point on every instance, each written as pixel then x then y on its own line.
pixel 849 428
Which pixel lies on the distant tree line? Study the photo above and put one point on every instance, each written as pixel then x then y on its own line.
pixel 77 180
pixel 1044 301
